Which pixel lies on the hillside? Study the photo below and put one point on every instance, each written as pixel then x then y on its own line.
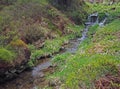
pixel 30 29
pixel 59 44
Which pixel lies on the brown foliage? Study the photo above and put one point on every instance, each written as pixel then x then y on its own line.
pixel 109 82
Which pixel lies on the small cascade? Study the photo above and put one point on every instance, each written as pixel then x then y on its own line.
pixel 101 24
pixel 84 34
pixel 92 19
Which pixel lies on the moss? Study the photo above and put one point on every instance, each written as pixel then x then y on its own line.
pixel 18 43
pixel 6 55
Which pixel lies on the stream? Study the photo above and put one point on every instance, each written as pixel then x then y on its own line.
pixel 29 79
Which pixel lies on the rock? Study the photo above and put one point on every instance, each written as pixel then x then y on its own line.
pixel 62 48
pixel 54 82
pixel 42 75
pixel 53 65
pixel 9 71
pixel 39 43
pixel 13 71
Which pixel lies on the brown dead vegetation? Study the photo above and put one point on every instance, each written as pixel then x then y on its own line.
pixel 109 81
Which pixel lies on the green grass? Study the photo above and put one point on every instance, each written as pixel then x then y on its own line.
pixel 97 56
pixel 92 30
pixel 80 71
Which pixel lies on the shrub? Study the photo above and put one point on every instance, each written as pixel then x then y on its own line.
pixel 35 32
pixel 75 9
pixel 7 2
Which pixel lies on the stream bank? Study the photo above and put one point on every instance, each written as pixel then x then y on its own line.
pixel 30 79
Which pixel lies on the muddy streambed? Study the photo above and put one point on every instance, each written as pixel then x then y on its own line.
pixel 30 78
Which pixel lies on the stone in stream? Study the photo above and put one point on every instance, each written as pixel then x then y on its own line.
pixel 54 82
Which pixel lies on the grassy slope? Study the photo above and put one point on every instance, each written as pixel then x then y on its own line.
pixel 26 22
pixel 97 56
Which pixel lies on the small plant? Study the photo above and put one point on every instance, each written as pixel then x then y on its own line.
pixel 32 48
pixel 36 55
pixel 92 30
pixel 31 63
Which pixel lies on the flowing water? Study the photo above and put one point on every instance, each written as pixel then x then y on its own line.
pixel 36 77
pixel 29 79
pixel 73 44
